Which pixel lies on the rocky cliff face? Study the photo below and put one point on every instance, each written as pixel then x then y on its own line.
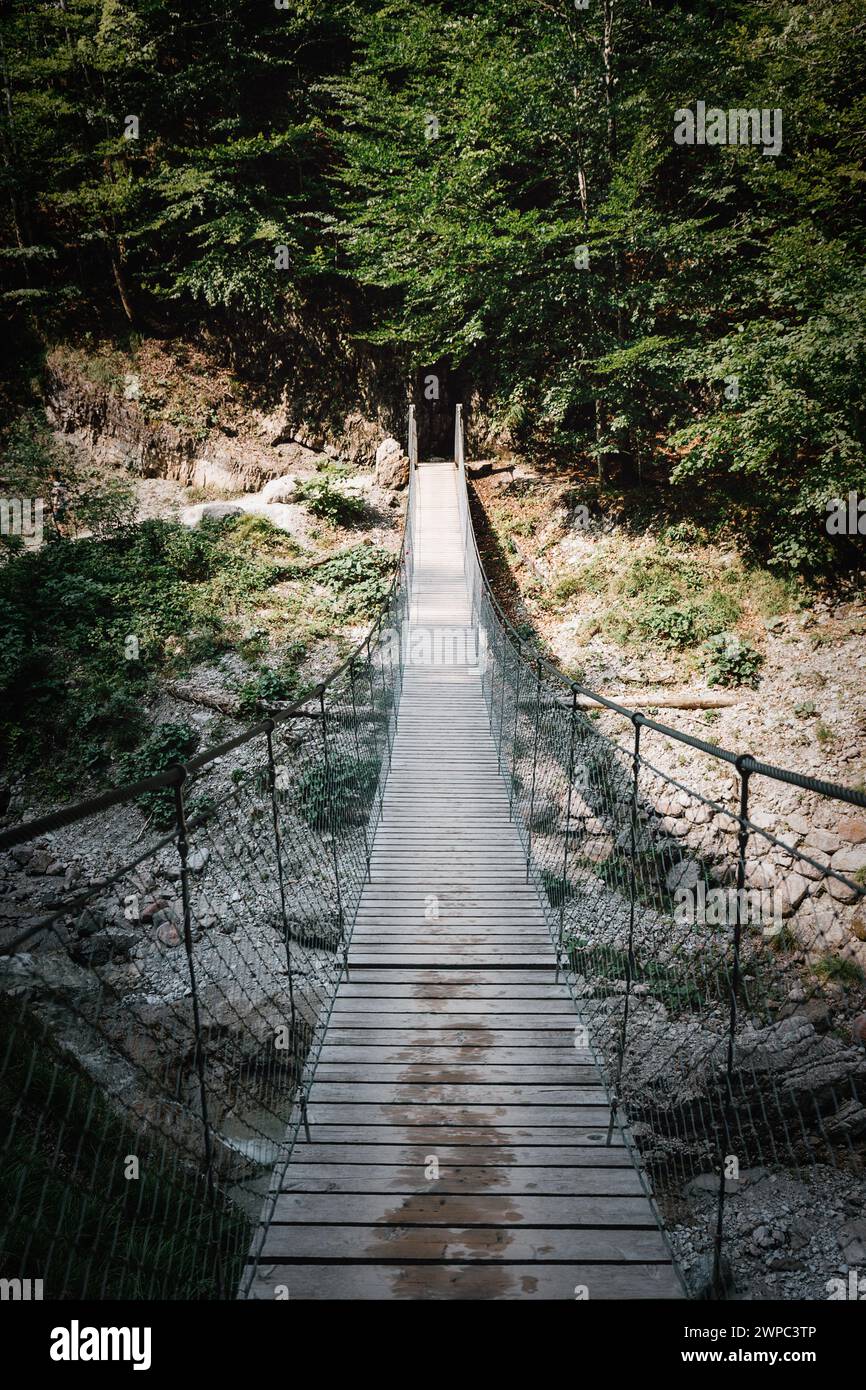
pixel 109 421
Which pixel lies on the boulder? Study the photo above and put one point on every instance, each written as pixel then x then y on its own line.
pixel 479 468
pixel 852 829
pixel 791 893
pixel 109 944
pixel 286 516
pixel 840 891
pixel 168 933
pixel 852 1238
pixel 822 839
pixel 686 875
pixel 194 516
pixel 392 465
pixel 280 489
pixel 672 1085
pixel 811 870
pixel 849 861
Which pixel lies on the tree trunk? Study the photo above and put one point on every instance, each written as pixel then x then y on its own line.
pixel 120 280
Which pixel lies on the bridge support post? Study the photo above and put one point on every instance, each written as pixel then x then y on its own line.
pixel 198 1055
pixel 332 820
pixel 519 656
pixel 358 765
pixel 564 889
pixel 373 714
pixel 412 439
pixel 278 846
pixel 720 1276
pixel 637 720
pixel 534 767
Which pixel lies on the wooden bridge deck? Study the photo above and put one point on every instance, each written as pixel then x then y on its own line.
pixel 458 1139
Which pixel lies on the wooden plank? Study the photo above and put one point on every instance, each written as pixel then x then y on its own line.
pixel 435 1208
pixel 377 954
pixel 380 989
pixel 443 939
pixel 324 1113
pixel 551 1059
pixel 439 1005
pixel 451 1037
pixel 548 1158
pixel 439 1093
pixel 520 1244
pixel 535 1022
pixel 484 1073
pixel 505 1134
pixel 465 1181
pixel 533 976
pixel 463 1281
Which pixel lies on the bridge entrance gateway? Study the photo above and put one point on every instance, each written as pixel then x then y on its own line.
pixel 460 1140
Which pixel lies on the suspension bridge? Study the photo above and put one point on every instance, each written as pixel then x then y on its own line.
pixel 458 1045
pixel 458 1140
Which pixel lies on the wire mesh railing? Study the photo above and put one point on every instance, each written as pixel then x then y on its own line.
pixel 715 951
pixel 163 1013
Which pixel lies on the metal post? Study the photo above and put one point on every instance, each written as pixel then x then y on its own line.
pixel 275 816
pixel 534 765
pixel 198 1057
pixel 718 1278
pixel 505 646
pixel 388 740
pixel 571 735
pixel 502 684
pixel 358 764
pixel 278 843
pixel 333 821
pixel 516 724
pixel 373 714
pixel 637 720
pixel 413 439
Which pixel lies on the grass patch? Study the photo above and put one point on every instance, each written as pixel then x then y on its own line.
pixel 677 592
pixel 838 970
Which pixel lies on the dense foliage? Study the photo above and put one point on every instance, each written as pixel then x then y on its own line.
pixel 433 172
pixel 89 623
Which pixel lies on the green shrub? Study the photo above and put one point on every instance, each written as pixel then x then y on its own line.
pixel 71 686
pixel 340 795
pixel 168 744
pixel 361 576
pixel 731 661
pixel 324 500
pixel 268 686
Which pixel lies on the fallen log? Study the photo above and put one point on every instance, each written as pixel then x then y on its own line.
pixel 195 696
pixel 646 699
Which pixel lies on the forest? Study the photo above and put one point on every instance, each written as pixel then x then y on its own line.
pixel 494 187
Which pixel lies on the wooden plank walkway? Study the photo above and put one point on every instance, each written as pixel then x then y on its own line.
pixel 457 1135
